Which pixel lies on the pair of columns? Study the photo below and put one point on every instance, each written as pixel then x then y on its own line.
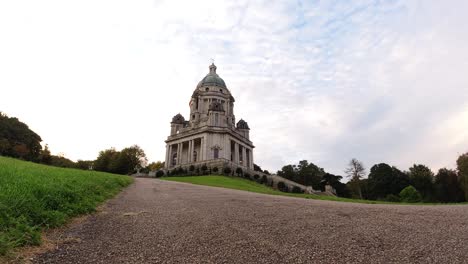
pixel 244 155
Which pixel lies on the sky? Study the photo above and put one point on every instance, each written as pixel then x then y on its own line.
pixel 325 81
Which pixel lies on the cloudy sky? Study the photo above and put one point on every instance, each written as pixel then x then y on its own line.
pixel 326 81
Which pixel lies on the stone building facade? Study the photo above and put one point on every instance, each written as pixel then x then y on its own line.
pixel 210 135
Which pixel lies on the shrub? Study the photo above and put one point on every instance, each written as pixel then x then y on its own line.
pixel 247 176
pixel 191 168
pixel 215 169
pixel 180 171
pixel 227 170
pixel 159 173
pixel 264 179
pixel 204 168
pixel 197 170
pixel 296 189
pixel 392 198
pixel 270 183
pixel 410 195
pixel 256 177
pixel 282 187
pixel 239 171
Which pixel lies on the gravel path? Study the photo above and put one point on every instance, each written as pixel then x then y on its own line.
pixel 156 221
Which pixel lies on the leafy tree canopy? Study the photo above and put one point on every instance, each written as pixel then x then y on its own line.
pixel 126 161
pixel 447 187
pixel 384 180
pixel 462 167
pixel 17 140
pixel 422 178
pixel 304 173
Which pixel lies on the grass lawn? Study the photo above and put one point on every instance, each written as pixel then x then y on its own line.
pixel 251 186
pixel 34 196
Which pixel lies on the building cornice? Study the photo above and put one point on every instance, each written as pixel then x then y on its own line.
pixel 210 129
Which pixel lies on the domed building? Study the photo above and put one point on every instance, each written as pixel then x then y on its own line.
pixel 210 135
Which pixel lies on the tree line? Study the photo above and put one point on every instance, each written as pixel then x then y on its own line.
pixel 384 182
pixel 388 183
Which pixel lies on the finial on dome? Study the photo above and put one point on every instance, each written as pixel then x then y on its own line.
pixel 212 67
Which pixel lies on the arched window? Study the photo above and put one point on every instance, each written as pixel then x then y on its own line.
pixel 216 153
pixel 174 159
pixel 195 156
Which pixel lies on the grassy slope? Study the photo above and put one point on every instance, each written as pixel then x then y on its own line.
pixel 251 186
pixel 34 196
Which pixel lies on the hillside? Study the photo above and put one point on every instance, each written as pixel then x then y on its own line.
pixel 34 197
pixel 252 186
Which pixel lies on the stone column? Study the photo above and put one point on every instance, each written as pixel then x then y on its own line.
pixel 189 150
pixel 227 148
pixel 179 153
pixel 236 153
pixel 244 156
pixel 171 149
pixel 205 148
pixel 202 149
pixel 192 148
pixel 167 155
pixel 251 159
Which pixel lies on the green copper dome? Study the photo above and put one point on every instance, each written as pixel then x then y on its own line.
pixel 212 79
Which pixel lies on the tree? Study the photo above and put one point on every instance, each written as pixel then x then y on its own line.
pixel 410 195
pixel 447 187
pixel 85 164
pixel 45 156
pixel 17 140
pixel 335 182
pixel 287 172
pixel 356 172
pixel 257 168
pixel 127 161
pixel 384 180
pixel 422 178
pixel 104 160
pixel 154 166
pixel 61 161
pixel 462 168
pixel 134 157
pixel 304 173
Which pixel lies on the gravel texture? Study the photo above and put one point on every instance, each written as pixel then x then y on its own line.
pixel 156 221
